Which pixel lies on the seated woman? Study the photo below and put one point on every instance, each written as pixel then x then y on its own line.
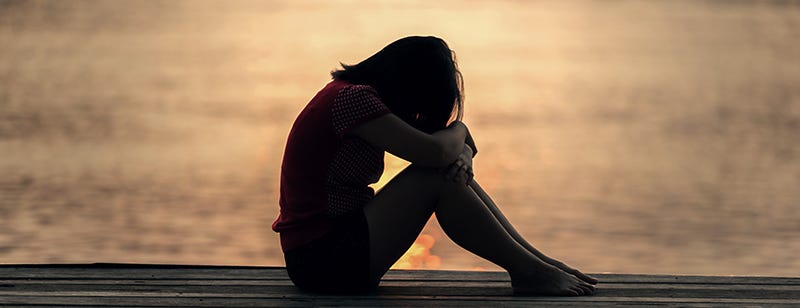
pixel 338 235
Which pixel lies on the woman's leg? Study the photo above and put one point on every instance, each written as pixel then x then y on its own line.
pixel 400 210
pixel 397 215
pixel 521 240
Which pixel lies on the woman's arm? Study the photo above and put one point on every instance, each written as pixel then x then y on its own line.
pixel 395 136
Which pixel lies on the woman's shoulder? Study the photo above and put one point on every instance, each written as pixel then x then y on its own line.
pixel 355 93
pixel 344 95
pixel 350 86
pixel 348 89
pixel 330 92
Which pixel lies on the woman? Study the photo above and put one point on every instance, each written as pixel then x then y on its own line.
pixel 338 235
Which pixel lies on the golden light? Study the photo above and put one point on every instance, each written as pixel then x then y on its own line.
pixel 392 166
pixel 419 256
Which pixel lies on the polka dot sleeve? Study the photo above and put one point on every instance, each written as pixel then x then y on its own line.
pixel 355 105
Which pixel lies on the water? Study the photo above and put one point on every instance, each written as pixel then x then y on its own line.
pixel 625 136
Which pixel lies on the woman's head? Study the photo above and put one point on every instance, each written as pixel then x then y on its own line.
pixel 417 78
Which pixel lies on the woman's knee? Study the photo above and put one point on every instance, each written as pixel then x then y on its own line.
pixel 428 176
pixel 419 185
pixel 433 178
pixel 416 185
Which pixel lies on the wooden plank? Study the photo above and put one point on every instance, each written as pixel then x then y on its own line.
pixel 373 301
pixel 102 265
pixel 400 287
pixel 267 273
pixel 604 278
pixel 154 282
pixel 198 286
pixel 395 283
pixel 43 285
pixel 121 301
pixel 432 288
pixel 387 291
pixel 144 273
pixel 100 271
pixel 4 284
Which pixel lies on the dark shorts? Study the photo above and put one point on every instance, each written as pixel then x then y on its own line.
pixel 338 262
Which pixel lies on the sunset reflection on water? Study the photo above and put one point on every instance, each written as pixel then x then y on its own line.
pixel 636 136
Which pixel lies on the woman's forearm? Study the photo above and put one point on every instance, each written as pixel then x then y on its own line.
pixel 451 141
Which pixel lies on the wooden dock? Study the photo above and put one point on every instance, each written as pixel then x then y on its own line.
pixel 131 285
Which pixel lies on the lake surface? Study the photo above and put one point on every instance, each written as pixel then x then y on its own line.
pixel 618 136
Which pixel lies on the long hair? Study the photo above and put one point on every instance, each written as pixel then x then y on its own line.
pixel 416 77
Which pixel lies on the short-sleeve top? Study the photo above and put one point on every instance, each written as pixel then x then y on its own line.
pixel 326 172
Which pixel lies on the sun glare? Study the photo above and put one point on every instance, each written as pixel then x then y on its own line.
pixel 419 255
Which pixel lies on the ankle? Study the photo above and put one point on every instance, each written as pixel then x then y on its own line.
pixel 532 269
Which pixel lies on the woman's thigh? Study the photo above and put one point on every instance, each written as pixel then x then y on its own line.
pixel 398 213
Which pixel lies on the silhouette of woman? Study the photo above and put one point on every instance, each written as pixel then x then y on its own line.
pixel 339 236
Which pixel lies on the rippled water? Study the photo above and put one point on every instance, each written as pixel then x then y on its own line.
pixel 624 136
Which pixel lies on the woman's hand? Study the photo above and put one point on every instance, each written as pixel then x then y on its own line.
pixel 460 171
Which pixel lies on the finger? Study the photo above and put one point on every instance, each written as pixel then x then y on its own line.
pixel 457 173
pixel 452 170
pixel 458 170
pixel 460 177
pixel 468 175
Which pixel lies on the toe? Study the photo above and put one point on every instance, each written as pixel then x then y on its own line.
pixel 587 290
pixel 584 277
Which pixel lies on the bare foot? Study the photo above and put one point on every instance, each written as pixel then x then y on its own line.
pixel 549 281
pixel 569 270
